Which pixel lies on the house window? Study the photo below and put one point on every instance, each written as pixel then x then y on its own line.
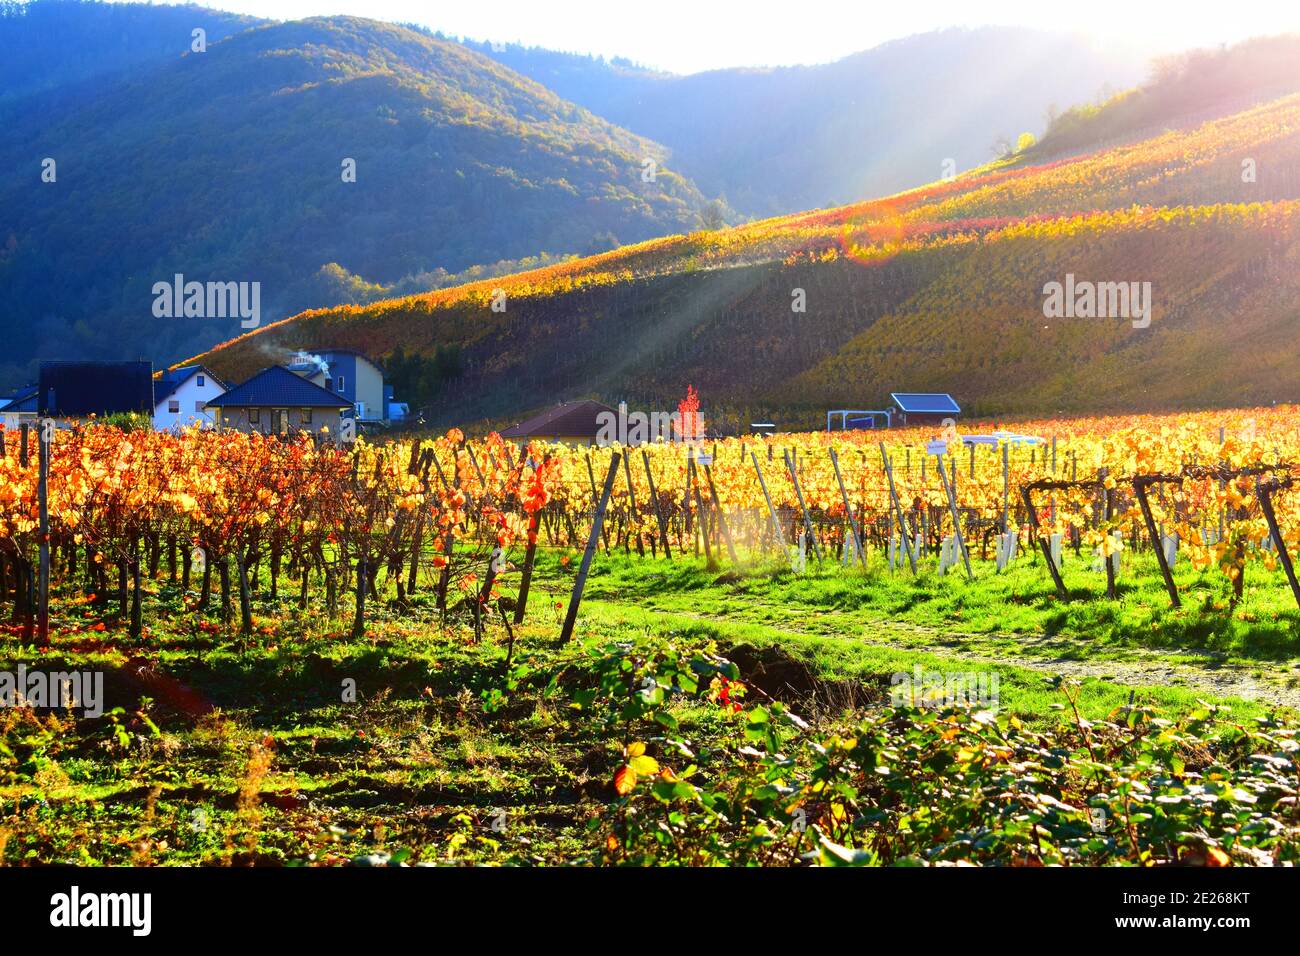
pixel 200 381
pixel 254 416
pixel 340 387
pixel 198 406
pixel 173 405
pixel 306 416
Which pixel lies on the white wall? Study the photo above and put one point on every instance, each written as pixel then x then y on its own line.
pixel 370 389
pixel 13 421
pixel 191 397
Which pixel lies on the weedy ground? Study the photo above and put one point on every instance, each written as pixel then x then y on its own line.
pixel 299 744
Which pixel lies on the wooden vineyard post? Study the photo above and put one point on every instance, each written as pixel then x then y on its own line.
pixel 688 527
pixel 631 502
pixel 1006 487
pixel 1265 490
pixel 1028 494
pixel 571 617
pixel 530 556
pixel 848 510
pixel 495 560
pixel 807 518
pixel 903 535
pixel 654 496
pixel 448 540
pixel 1108 512
pixel 417 545
pixel 1052 499
pixel 469 450
pixel 591 476
pixel 776 524
pixel 527 578
pixel 956 517
pixel 359 615
pixel 722 518
pixel 1140 484
pixel 43 439
pixel 693 486
pixel 437 466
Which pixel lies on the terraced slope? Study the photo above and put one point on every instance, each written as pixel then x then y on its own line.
pixel 940 287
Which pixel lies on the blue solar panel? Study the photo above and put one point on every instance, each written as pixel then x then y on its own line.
pixel 94 388
pixel 935 403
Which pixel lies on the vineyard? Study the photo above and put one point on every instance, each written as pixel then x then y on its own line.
pixel 940 287
pixel 1211 489
pixel 576 641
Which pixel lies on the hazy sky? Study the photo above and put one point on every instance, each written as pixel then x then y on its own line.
pixel 689 35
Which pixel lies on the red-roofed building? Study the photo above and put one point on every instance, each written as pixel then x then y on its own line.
pixel 574 423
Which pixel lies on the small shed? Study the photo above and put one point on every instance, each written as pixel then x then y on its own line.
pixel 923 408
pixel 575 423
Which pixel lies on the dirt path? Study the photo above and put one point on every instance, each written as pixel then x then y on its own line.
pixel 1264 682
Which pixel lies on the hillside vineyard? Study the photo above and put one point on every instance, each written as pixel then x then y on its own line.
pixel 943 287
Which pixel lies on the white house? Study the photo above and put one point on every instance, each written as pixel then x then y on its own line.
pixel 180 397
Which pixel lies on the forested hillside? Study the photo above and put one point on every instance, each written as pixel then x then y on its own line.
pixel 62 43
pixel 940 287
pixel 1182 90
pixel 228 165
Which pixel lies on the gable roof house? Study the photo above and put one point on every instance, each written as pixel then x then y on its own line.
pixel 180 397
pixel 275 401
pixel 574 423
pixel 81 389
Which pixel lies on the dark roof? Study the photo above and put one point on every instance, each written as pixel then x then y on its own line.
pixel 95 388
pixel 278 387
pixel 933 403
pixel 164 387
pixel 570 420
